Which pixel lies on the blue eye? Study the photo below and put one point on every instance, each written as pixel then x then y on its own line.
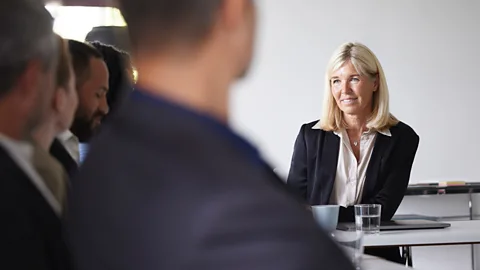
pixel 335 81
pixel 355 79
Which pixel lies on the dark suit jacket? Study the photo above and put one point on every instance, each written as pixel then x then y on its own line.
pixel 314 165
pixel 58 151
pixel 163 188
pixel 30 231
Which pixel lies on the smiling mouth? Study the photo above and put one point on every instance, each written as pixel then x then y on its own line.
pixel 348 100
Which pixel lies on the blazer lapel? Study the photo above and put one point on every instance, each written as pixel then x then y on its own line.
pixel 329 160
pixel 381 151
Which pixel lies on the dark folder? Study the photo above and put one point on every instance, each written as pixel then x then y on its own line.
pixel 396 225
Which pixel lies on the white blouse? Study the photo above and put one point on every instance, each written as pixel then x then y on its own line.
pixel 350 175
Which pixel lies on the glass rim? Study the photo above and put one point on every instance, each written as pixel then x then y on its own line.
pixel 374 205
pixel 325 206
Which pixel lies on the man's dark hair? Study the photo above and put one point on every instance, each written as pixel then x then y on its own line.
pixel 120 69
pixel 81 54
pixel 160 22
pixel 116 36
pixel 26 34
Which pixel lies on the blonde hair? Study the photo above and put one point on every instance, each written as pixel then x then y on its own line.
pixel 64 67
pixel 366 64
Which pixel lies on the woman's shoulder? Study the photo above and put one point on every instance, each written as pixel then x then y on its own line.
pixel 402 129
pixel 312 127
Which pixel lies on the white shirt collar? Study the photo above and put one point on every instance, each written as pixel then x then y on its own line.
pixel 317 125
pixel 71 144
pixel 385 132
pixel 66 135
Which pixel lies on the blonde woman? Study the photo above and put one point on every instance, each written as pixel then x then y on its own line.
pixel 61 113
pixel 358 152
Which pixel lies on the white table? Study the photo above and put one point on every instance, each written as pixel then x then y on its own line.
pixel 374 263
pixel 460 233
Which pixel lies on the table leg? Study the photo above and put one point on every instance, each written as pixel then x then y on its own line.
pixel 470 209
pixel 407 256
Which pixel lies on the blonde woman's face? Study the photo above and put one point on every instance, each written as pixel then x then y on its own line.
pixel 353 92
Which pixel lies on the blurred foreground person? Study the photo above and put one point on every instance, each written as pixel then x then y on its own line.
pixel 167 185
pixel 30 227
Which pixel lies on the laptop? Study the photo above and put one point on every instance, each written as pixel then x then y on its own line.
pixel 397 225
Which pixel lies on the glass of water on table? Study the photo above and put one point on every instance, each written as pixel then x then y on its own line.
pixel 367 218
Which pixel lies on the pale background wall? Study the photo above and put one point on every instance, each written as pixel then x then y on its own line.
pixel 429 50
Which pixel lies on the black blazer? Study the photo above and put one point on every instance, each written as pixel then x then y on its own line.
pixel 314 164
pixel 161 189
pixel 30 231
pixel 58 151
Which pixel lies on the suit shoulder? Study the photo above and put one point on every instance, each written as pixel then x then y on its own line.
pixel 310 125
pixel 310 130
pixel 405 130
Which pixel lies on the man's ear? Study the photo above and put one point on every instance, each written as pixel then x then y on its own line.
pixel 233 12
pixel 59 101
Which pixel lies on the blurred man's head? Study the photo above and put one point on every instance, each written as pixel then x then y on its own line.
pixel 92 86
pixel 28 57
pixel 220 30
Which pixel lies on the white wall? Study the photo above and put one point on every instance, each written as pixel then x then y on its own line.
pixel 430 51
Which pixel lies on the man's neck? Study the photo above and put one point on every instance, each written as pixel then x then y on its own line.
pixel 11 125
pixel 192 83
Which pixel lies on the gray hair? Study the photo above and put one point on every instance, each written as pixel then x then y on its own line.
pixel 26 34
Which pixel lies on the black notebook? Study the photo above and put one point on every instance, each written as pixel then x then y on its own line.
pixel 396 225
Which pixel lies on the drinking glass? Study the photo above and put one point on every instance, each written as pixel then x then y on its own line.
pixel 367 218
